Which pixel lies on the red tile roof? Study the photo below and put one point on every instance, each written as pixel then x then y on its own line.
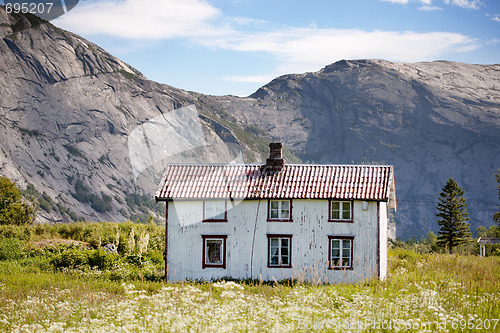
pixel 295 181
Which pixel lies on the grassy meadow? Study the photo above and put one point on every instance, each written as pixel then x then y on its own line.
pixel 50 284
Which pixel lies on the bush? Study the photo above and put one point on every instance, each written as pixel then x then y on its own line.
pixel 404 257
pixel 70 258
pixel 73 258
pixel 13 208
pixel 11 249
pixel 102 260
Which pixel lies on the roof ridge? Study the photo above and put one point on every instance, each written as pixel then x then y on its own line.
pixel 287 164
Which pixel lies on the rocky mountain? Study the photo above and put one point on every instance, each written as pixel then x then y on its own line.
pixel 431 121
pixel 89 136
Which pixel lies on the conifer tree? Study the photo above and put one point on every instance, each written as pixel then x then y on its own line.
pixel 453 217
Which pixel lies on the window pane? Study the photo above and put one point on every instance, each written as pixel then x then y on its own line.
pixel 279 251
pixel 284 242
pixel 220 210
pixel 221 206
pixel 335 210
pixel 214 251
pixel 341 254
pixel 215 210
pixel 346 210
pixel 285 214
pixel 274 204
pixel 346 262
pixel 274 214
pixel 285 205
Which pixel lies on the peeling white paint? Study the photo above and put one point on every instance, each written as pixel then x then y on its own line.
pixel 310 230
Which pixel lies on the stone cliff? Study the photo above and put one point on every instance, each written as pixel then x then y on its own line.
pixel 92 135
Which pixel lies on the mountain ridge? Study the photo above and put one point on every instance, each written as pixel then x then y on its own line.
pixel 69 110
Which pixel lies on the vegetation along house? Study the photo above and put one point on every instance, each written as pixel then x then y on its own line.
pixel 277 221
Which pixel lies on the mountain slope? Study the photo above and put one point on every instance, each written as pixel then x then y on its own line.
pixel 431 120
pixel 67 110
pixel 95 134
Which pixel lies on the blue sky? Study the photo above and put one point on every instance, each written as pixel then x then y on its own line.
pixel 235 46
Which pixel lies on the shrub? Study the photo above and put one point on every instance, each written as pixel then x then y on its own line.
pixel 11 249
pixel 70 258
pixel 13 208
pixel 102 260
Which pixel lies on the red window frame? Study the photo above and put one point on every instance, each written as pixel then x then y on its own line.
pixel 330 238
pixel 269 219
pixel 204 263
pixel 279 236
pixel 213 219
pixel 330 206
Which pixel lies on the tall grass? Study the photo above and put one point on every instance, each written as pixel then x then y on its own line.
pixel 431 292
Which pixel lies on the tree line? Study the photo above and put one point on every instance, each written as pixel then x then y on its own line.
pixel 452 211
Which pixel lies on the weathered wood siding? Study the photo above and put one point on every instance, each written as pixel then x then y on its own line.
pixel 247 255
pixel 384 230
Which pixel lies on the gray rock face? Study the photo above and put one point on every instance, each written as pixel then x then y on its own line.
pixel 68 111
pixel 431 120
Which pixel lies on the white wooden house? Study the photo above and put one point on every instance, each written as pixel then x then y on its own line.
pixel 276 220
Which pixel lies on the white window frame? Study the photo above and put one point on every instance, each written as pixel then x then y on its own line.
pixel 206 262
pixel 342 210
pixel 215 211
pixel 279 248
pixel 343 253
pixel 280 212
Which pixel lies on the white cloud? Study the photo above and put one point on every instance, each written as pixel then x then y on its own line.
pixel 404 2
pixel 154 19
pixel 401 2
pixel 246 21
pixel 430 8
pixel 469 4
pixel 295 49
pixel 307 49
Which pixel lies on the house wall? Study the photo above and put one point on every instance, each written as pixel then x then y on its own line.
pixel 247 243
pixel 383 237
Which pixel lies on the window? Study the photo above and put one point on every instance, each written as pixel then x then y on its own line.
pixel 340 252
pixel 214 211
pixel 341 211
pixel 214 251
pixel 279 251
pixel 279 210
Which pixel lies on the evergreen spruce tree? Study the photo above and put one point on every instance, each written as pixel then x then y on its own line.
pixel 453 217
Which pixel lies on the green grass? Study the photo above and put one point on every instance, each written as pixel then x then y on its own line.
pixel 437 292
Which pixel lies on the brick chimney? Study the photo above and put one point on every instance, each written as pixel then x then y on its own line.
pixel 275 162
